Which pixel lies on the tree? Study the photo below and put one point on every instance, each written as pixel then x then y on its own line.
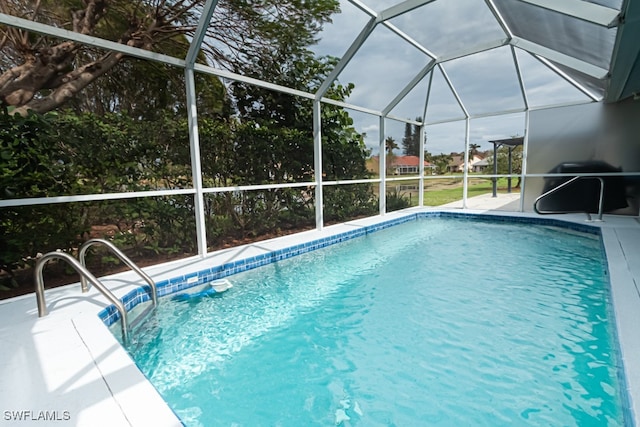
pixel 344 151
pixel 428 156
pixel 288 156
pixel 473 149
pixel 441 161
pixel 148 90
pixel 41 73
pixel 411 139
pixel 503 161
pixel 390 145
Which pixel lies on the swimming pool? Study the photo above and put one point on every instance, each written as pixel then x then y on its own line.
pixel 422 322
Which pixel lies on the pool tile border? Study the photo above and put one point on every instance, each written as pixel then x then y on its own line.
pixel 110 314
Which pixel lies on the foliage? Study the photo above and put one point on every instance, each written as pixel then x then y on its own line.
pixel 42 73
pixel 473 150
pixel 344 202
pixel 114 152
pixel 395 201
pixel 441 162
pixel 148 90
pixel 343 149
pixel 411 139
pixel 30 168
pixel 67 153
pixel 64 153
pixel 390 145
pixel 344 157
pixel 503 160
pixel 124 128
pixel 344 153
pixel 245 154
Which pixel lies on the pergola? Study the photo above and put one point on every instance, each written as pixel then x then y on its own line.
pixel 589 46
pixel 511 143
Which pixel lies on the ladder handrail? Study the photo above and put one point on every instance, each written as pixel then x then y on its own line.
pixel 564 184
pixel 84 274
pixel 125 259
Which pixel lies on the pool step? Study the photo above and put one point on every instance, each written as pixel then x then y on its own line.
pixel 141 315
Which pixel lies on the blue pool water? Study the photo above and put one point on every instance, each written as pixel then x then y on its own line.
pixel 434 322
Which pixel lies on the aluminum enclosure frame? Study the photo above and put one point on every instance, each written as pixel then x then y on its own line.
pixel 574 9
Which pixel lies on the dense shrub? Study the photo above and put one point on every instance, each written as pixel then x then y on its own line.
pixel 345 202
pixel 33 164
pixel 395 201
pixel 72 154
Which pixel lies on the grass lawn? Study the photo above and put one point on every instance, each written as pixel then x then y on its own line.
pixel 447 189
pixel 476 188
pixel 439 193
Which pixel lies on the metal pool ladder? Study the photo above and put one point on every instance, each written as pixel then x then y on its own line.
pixel 565 184
pixel 86 276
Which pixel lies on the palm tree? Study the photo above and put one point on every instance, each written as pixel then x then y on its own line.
pixel 390 145
pixel 473 149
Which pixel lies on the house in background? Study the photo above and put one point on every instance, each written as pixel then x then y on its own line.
pixel 482 165
pixel 400 165
pixel 457 163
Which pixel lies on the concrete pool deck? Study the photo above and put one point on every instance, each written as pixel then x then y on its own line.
pixel 68 369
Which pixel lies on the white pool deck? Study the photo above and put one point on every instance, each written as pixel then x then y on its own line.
pixel 68 367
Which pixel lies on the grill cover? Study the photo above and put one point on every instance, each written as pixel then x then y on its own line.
pixel 583 195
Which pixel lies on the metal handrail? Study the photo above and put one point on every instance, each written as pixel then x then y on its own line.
pixel 123 258
pixel 85 275
pixel 564 184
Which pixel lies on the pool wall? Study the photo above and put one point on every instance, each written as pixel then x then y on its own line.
pixel 110 314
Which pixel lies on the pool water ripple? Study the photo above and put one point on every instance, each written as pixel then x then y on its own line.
pixel 438 322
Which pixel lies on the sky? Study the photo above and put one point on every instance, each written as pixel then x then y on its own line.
pixel 486 82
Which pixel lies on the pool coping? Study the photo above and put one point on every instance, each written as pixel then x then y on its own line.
pixel 108 371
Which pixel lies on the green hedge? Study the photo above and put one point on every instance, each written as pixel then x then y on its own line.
pixel 71 154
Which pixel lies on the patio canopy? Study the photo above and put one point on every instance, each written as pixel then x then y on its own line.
pixel 442 60
pixel 511 143
pixel 426 62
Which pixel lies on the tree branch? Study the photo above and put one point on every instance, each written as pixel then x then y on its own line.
pixel 72 83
